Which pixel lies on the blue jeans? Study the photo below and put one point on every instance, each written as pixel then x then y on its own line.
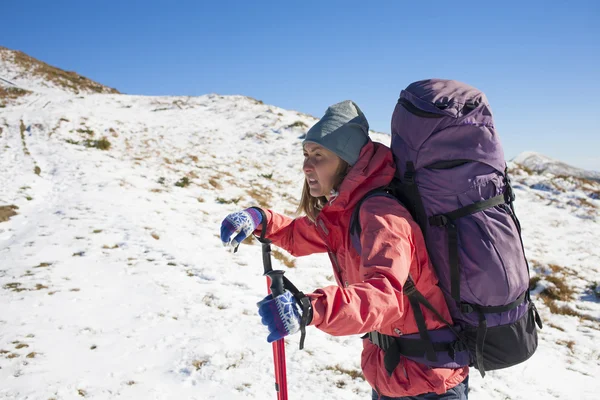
pixel 459 392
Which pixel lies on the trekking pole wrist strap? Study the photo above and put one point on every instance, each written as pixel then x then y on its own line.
pixel 306 306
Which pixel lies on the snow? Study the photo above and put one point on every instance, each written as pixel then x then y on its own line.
pixel 543 164
pixel 137 298
pixel 18 70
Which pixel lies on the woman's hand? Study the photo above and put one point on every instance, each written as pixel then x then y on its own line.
pixel 242 223
pixel 281 315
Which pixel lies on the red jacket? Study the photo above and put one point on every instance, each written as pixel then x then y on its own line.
pixel 369 293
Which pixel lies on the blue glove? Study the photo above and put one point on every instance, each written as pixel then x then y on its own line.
pixel 243 223
pixel 281 315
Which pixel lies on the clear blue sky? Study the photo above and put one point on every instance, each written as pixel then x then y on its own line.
pixel 537 61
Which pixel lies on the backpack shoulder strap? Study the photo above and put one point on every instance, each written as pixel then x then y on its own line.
pixel 415 298
pixel 355 228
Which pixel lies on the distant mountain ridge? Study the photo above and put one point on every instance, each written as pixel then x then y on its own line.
pixel 539 163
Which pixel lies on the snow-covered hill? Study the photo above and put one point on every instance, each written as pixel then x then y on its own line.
pixel 20 73
pixel 558 184
pixel 539 163
pixel 114 283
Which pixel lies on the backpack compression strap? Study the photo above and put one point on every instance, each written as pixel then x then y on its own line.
pixel 448 221
pixel 391 344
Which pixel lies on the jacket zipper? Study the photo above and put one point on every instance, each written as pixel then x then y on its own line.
pixel 332 255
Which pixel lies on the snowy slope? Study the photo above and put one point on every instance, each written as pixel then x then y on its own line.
pixel 114 283
pixel 18 70
pixel 539 163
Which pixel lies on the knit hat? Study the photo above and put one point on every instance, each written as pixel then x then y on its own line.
pixel 343 130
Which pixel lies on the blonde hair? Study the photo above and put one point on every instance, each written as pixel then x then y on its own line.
pixel 310 205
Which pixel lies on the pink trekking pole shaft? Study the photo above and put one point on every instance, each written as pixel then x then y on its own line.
pixel 275 288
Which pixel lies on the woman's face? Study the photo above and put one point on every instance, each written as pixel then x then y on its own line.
pixel 320 167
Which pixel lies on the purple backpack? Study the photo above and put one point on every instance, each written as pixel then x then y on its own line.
pixel 452 177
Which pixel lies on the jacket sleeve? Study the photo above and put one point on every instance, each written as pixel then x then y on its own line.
pixel 298 236
pixel 387 251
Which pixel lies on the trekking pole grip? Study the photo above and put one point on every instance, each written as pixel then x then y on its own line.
pixel 277 286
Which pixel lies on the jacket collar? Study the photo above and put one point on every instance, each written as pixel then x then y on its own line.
pixel 375 168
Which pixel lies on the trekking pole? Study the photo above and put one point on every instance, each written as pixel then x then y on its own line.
pixel 276 288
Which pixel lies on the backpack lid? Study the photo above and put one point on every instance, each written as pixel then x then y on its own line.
pixel 442 96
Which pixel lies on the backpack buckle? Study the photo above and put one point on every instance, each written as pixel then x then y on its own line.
pixel 380 340
pixel 466 308
pixel 409 177
pixel 456 347
pixel 409 287
pixel 439 220
pixel 509 194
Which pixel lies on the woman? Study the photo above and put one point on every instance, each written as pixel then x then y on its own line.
pixel 341 165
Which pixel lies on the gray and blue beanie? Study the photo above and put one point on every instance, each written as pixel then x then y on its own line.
pixel 343 130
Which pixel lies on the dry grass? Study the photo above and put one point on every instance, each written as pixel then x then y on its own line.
pixel 523 168
pixel 550 324
pixel 67 80
pixel 559 291
pixel 14 286
pixel 8 94
pixel 288 262
pixel 249 240
pixel 352 373
pixel 297 124
pixel 580 180
pixel 211 300
pixel 549 295
pixel 17 287
pixel 253 99
pixel 183 182
pixel 261 195
pixel 570 344
pixel 7 211
pixel 261 136
pixel 534 281
pixel 102 144
pixel 222 200
pixel 215 183
pixel 22 129
pixel 86 131
pixel 198 364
